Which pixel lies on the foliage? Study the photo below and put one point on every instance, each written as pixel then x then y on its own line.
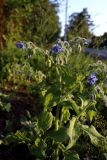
pixel 79 25
pixel 68 103
pixel 98 41
pixel 22 19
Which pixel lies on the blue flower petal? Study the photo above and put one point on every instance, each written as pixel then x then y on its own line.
pixel 20 45
pixel 56 49
pixel 92 78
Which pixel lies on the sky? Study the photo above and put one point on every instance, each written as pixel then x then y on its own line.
pixel 96 8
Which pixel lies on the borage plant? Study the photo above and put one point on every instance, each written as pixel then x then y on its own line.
pixel 68 102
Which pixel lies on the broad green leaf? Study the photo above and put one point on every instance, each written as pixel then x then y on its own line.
pixel 51 100
pixel 73 132
pixel 91 114
pixel 45 120
pixel 58 136
pixel 105 156
pixel 71 127
pixel 65 114
pixel 84 102
pixel 81 86
pixel 96 138
pixel 66 104
pixel 17 137
pixel 91 131
pixel 38 149
pixel 70 155
pixel 75 106
pixel 48 99
pixel 53 96
pixel 5 106
pixel 1 141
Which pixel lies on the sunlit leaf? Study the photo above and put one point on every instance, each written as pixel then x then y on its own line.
pixel 45 120
pixel 96 138
pixel 65 114
pixel 73 132
pixel 48 99
pixel 91 114
pixel 75 106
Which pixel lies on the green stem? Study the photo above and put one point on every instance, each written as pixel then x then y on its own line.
pixel 56 128
pixel 91 103
pixel 57 119
pixel 57 153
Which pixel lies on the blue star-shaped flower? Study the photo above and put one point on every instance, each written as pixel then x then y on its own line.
pixel 20 45
pixel 56 49
pixel 92 78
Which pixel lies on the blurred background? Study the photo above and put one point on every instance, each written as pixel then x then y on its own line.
pixel 44 21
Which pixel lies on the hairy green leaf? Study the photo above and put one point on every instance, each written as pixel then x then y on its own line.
pixel 48 99
pixel 38 149
pixel 70 155
pixel 96 138
pixel 45 120
pixel 73 132
pixel 59 136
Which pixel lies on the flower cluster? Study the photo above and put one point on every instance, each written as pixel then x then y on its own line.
pixel 92 78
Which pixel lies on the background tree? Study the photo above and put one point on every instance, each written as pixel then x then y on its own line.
pixel 30 20
pixel 99 41
pixel 80 25
pixel 4 13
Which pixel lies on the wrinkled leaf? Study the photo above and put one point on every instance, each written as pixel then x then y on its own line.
pixel 17 137
pixel 59 136
pixel 70 155
pixel 65 114
pixel 75 106
pixel 48 99
pixel 96 138
pixel 91 114
pixel 45 120
pixel 38 149
pixel 73 132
